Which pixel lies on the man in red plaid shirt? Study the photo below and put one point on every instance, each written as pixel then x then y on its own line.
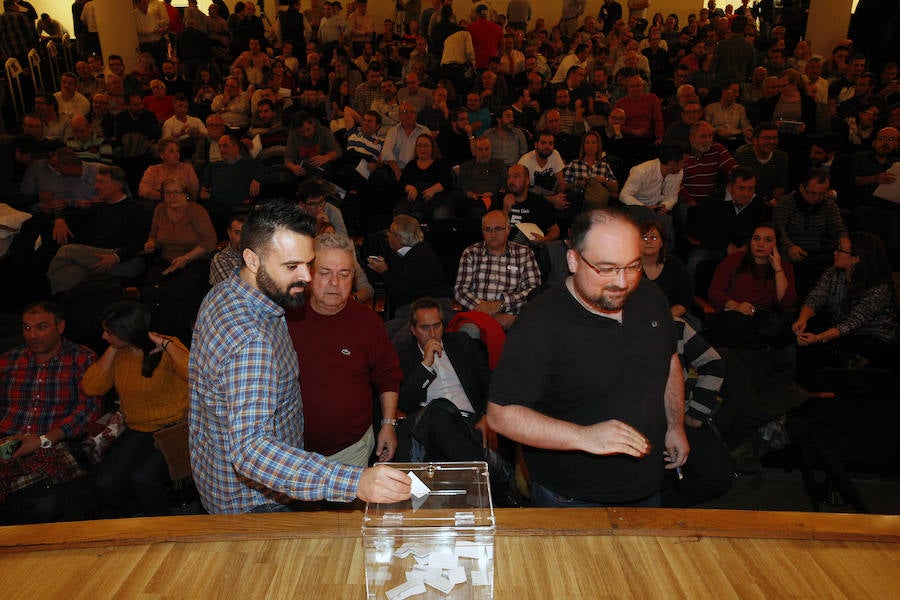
pixel 42 404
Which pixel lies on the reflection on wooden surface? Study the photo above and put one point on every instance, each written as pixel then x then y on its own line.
pixel 577 553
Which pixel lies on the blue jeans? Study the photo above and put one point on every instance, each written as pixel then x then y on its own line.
pixel 544 497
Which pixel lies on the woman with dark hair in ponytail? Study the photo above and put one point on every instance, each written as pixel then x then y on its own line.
pixel 149 374
pixel 858 296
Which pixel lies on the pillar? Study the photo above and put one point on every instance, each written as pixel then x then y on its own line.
pixel 118 34
pixel 828 23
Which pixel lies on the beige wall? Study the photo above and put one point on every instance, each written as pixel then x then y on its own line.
pixel 383 9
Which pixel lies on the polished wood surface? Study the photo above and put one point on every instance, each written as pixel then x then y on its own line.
pixel 574 553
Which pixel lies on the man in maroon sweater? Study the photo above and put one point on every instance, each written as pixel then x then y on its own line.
pixel 344 353
pixel 644 125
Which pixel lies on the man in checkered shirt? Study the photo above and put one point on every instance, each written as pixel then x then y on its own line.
pixel 496 276
pixel 246 417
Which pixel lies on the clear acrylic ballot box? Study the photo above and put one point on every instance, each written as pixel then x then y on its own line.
pixel 437 544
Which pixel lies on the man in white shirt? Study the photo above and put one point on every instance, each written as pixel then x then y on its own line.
pixel 651 190
pixel 181 126
pixel 400 143
pixel 577 58
pixel 71 103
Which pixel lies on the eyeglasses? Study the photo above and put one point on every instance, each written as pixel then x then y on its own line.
pixel 496 229
pixel 842 251
pixel 650 238
pixel 631 269
pixel 885 138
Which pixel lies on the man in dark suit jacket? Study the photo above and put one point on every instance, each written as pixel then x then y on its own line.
pixel 412 270
pixel 725 221
pixel 445 381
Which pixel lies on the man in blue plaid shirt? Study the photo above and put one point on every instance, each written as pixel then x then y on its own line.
pixel 246 418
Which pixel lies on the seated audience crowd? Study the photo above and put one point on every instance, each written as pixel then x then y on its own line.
pixel 444 164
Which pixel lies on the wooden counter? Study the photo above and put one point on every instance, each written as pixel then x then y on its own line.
pixel 540 553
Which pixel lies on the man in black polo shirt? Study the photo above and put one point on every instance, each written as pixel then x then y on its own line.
pixel 589 381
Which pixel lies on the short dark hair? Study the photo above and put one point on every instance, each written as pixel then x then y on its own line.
pixel 45 306
pixel 424 303
pixel 180 97
pixel 375 114
pixel 828 141
pixel 457 111
pixel 49 99
pixel 67 157
pixel 311 188
pixel 671 153
pixel 764 126
pixel 817 175
pixel 268 217
pixel 583 223
pixel 544 133
pixel 115 173
pixel 742 173
pixel 302 118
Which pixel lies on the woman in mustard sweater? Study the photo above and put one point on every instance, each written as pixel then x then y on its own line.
pixel 149 374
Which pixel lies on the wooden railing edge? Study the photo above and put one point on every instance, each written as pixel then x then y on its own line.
pixel 510 523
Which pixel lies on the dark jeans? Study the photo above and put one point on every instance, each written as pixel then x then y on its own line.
pixel 132 476
pixel 544 497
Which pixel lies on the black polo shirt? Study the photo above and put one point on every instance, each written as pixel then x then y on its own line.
pixel 570 364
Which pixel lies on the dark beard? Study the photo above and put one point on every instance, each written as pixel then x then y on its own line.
pixel 601 301
pixel 283 298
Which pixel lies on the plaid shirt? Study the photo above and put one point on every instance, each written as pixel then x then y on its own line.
pixel 578 170
pixel 37 397
pixel 223 264
pixel 509 277
pixel 17 34
pixel 246 418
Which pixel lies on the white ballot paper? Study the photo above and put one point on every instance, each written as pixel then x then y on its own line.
pixel 419 489
pixel 890 191
pixel 530 230
pixel 256 146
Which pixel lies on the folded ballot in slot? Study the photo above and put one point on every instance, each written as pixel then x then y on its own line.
pixel 437 544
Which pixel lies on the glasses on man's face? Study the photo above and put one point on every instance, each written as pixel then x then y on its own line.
pixel 650 237
pixel 631 269
pixel 842 250
pixel 406 111
pixel 885 138
pixel 496 229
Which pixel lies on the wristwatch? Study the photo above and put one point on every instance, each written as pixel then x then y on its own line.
pixel 392 422
pixel 45 442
